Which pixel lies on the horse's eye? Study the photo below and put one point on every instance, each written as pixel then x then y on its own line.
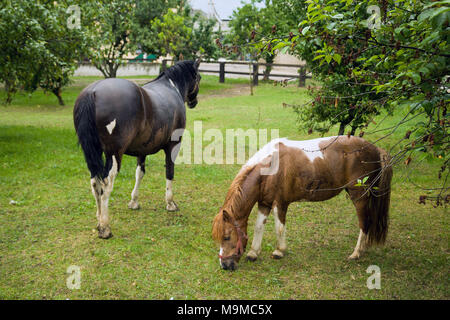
pixel 226 238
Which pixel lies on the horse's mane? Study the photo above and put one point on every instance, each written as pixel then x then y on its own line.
pixel 233 201
pixel 182 73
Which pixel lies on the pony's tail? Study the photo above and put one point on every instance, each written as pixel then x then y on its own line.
pixel 88 138
pixel 377 226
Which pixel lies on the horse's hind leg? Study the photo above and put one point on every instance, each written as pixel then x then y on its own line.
pixel 279 214
pixel 170 168
pixel 96 187
pixel 361 204
pixel 140 171
pixel 255 250
pixel 104 229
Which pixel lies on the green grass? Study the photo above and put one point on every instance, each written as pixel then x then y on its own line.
pixel 159 255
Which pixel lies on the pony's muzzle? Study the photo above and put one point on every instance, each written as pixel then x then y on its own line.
pixel 229 264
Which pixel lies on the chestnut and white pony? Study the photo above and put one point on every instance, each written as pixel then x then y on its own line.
pixel 286 171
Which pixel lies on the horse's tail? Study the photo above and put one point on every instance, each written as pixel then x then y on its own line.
pixel 378 220
pixel 88 138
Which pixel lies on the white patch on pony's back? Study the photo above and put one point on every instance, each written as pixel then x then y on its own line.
pixel 309 147
pixel 110 127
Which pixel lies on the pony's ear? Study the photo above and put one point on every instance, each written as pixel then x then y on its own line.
pixel 197 63
pixel 227 217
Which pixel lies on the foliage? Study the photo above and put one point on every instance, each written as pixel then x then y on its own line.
pixel 144 14
pixel 182 34
pixel 251 24
pixel 399 60
pixel 110 30
pixel 37 47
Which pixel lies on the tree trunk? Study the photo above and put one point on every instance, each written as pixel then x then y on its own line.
pixel 347 121
pixel 267 71
pixel 10 91
pixel 342 128
pixel 57 93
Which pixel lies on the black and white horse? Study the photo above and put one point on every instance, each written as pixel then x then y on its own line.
pixel 114 117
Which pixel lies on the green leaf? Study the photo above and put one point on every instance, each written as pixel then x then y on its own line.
pixel 305 30
pixel 337 58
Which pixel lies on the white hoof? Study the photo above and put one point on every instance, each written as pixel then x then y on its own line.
pixel 252 255
pixel 354 256
pixel 277 254
pixel 134 205
pixel 172 206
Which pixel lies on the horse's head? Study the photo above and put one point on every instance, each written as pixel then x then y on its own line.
pixel 194 87
pixel 232 239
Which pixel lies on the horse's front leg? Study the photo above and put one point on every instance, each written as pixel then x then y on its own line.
pixel 170 168
pixel 261 219
pixel 140 171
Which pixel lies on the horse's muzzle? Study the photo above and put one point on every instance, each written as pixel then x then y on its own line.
pixel 193 103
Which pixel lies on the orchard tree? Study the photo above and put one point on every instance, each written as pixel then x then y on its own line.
pixel 38 47
pixel 251 24
pixel 144 14
pixel 173 35
pixel 181 33
pixel 111 25
pixel 372 55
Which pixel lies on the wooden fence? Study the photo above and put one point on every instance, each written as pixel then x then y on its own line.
pixel 254 73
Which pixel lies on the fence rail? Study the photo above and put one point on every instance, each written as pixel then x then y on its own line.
pixel 254 73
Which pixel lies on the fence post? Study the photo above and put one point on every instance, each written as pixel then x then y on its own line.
pixel 222 72
pixel 302 77
pixel 255 74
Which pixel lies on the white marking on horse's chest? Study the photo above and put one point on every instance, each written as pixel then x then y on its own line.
pixel 310 148
pixel 110 127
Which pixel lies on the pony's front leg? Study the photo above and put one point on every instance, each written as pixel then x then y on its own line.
pixel 170 168
pixel 140 171
pixel 261 219
pixel 280 230
pixel 104 229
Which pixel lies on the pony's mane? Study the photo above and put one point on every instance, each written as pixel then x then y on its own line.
pixel 182 73
pixel 233 201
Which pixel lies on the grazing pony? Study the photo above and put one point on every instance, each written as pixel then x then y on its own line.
pixel 114 117
pixel 312 170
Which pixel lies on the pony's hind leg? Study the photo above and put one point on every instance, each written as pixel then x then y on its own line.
pixel 104 229
pixel 170 168
pixel 140 171
pixel 280 231
pixel 361 204
pixel 255 250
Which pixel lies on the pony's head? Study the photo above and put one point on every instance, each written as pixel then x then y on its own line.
pixel 232 239
pixel 194 87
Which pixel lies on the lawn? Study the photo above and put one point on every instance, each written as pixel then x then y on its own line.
pixel 154 254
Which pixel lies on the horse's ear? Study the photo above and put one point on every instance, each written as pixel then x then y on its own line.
pixel 227 217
